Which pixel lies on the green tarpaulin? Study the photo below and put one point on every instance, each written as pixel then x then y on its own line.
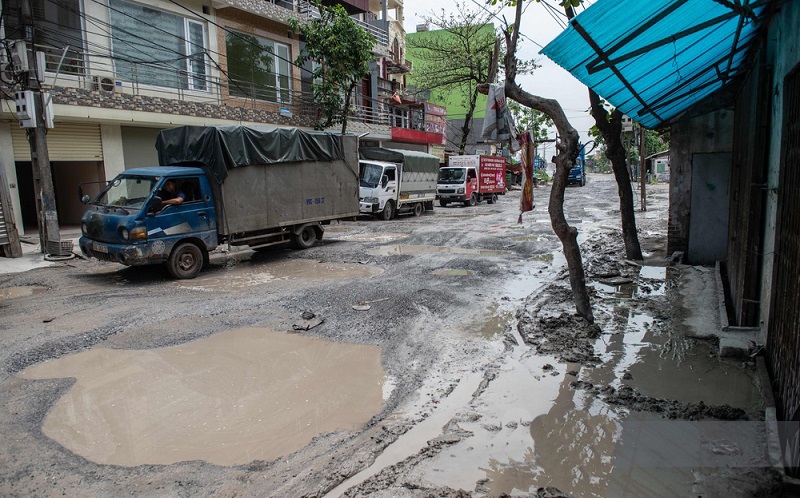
pixel 220 148
pixel 411 159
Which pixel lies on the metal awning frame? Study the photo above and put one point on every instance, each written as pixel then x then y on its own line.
pixel 720 71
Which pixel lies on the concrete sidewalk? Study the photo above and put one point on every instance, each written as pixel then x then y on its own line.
pixel 32 255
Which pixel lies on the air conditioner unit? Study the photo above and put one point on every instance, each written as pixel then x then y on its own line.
pixel 103 83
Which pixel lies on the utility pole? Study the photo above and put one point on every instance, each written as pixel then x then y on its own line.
pixel 47 214
pixel 642 175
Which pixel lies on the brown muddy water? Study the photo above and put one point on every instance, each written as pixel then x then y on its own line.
pixel 15 292
pixel 531 429
pixel 237 396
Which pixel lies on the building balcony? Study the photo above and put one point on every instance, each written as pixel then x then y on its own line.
pixel 93 81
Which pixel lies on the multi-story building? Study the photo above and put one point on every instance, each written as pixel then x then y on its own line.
pixel 119 71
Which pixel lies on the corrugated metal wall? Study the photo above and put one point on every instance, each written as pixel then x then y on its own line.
pixel 783 340
pixel 748 175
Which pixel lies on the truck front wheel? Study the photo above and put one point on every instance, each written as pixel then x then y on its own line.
pixel 305 238
pixel 443 203
pixel 472 200
pixel 186 261
pixel 388 211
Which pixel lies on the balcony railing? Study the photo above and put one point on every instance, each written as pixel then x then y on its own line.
pixel 100 75
pixel 307 10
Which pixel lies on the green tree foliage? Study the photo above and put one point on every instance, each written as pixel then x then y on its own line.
pixel 528 119
pixel 456 60
pixel 342 51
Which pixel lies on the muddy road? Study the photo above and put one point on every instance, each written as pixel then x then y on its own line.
pixel 426 356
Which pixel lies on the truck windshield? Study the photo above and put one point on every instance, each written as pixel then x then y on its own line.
pixel 451 175
pixel 370 174
pixel 128 191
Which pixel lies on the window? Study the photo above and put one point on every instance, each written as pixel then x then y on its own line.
pixel 258 68
pixel 154 47
pixel 58 24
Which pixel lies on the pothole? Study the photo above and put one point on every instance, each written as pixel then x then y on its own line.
pixel 15 292
pixel 244 276
pixel 237 396
pixel 452 273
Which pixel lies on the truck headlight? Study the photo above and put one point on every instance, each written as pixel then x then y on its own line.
pixel 460 191
pixel 124 233
pixel 371 200
pixel 84 228
pixel 138 233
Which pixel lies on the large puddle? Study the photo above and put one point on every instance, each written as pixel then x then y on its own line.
pixel 237 396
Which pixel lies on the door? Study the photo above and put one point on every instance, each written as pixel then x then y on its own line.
pixel 390 191
pixel 708 220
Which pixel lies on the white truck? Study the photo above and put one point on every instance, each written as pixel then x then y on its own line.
pixel 394 181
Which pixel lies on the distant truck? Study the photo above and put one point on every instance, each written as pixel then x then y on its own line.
pixel 472 179
pixel 577 175
pixel 394 181
pixel 242 186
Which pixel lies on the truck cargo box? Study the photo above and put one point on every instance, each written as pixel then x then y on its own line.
pixel 269 177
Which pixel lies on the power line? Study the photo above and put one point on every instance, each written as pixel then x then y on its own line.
pixel 477 2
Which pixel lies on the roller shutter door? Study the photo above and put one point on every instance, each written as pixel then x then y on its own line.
pixel 65 142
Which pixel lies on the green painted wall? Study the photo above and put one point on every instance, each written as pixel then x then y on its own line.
pixel 455 103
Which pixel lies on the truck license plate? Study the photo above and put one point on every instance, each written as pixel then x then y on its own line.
pixel 100 247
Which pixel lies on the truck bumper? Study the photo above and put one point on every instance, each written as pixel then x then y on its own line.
pixel 452 197
pixel 368 207
pixel 127 254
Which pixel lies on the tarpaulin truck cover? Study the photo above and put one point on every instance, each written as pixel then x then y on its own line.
pixel 221 148
pixel 413 161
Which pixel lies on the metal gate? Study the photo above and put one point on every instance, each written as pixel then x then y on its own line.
pixel 783 341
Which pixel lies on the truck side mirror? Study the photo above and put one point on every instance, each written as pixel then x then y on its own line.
pixel 384 181
pixel 155 205
pixel 85 199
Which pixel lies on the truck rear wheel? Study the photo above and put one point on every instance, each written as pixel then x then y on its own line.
pixel 492 199
pixel 443 203
pixel 305 237
pixel 418 209
pixel 388 211
pixel 186 261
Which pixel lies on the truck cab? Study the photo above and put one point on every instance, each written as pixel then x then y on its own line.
pixel 378 184
pixel 128 222
pixel 457 184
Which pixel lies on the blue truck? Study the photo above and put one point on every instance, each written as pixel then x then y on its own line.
pixel 240 185
pixel 577 175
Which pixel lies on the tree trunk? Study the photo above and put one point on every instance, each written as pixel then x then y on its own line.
pixel 467 122
pixel 567 150
pixel 567 153
pixel 611 129
pixel 346 109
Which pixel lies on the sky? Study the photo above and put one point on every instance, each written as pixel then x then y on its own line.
pixel 538 27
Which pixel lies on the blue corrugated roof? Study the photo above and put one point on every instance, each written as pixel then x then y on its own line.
pixel 655 59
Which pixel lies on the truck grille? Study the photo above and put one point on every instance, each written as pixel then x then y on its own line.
pixel 102 256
